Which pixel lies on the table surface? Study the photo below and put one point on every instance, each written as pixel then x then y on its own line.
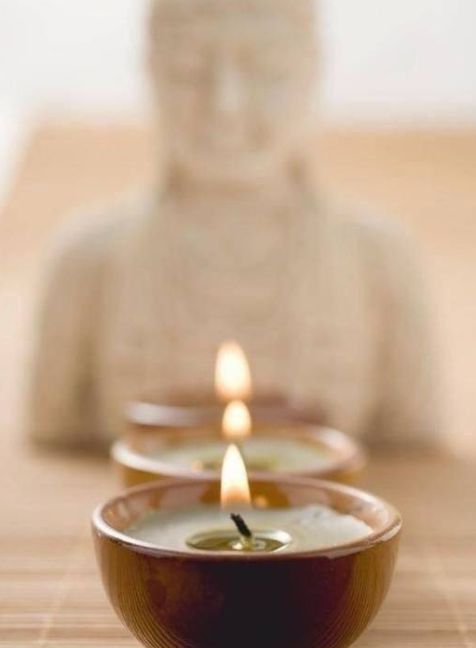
pixel 50 592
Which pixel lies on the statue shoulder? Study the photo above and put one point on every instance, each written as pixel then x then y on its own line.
pixel 78 251
pixel 383 241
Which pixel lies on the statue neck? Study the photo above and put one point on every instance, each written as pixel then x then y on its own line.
pixel 294 177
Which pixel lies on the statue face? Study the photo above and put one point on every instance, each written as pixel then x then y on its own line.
pixel 236 82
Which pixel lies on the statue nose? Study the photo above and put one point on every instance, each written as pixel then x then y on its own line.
pixel 229 91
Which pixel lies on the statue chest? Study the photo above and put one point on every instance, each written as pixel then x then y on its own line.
pixel 308 325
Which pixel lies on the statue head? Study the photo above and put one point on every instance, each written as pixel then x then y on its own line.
pixel 236 85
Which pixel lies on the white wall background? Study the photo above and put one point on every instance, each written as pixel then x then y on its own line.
pixel 388 60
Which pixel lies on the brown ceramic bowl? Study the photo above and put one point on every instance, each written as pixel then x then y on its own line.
pixel 175 599
pixel 140 461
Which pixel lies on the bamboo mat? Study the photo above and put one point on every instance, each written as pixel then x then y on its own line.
pixel 50 593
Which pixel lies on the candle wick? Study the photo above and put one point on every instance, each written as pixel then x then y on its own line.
pixel 243 528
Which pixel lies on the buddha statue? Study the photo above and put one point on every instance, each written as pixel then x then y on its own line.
pixel 237 240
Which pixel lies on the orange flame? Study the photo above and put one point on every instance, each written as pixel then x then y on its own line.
pixel 235 488
pixel 236 424
pixel 232 373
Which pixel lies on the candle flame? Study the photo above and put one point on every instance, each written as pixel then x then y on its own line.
pixel 232 373
pixel 236 424
pixel 235 488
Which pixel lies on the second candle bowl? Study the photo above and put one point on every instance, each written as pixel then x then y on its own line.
pixel 183 599
pixel 338 457
pixel 154 446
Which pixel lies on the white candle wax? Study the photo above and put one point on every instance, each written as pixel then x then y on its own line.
pixel 279 454
pixel 310 527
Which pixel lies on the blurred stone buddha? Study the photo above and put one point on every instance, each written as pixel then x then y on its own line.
pixel 237 241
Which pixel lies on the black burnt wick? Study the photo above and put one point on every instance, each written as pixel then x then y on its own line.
pixel 243 528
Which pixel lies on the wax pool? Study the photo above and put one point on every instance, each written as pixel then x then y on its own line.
pixel 310 528
pixel 260 453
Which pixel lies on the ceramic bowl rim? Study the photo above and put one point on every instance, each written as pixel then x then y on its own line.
pixel 352 459
pixel 390 530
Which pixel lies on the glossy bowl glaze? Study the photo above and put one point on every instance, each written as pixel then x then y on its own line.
pixel 175 599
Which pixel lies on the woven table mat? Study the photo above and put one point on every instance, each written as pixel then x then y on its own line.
pixel 51 593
